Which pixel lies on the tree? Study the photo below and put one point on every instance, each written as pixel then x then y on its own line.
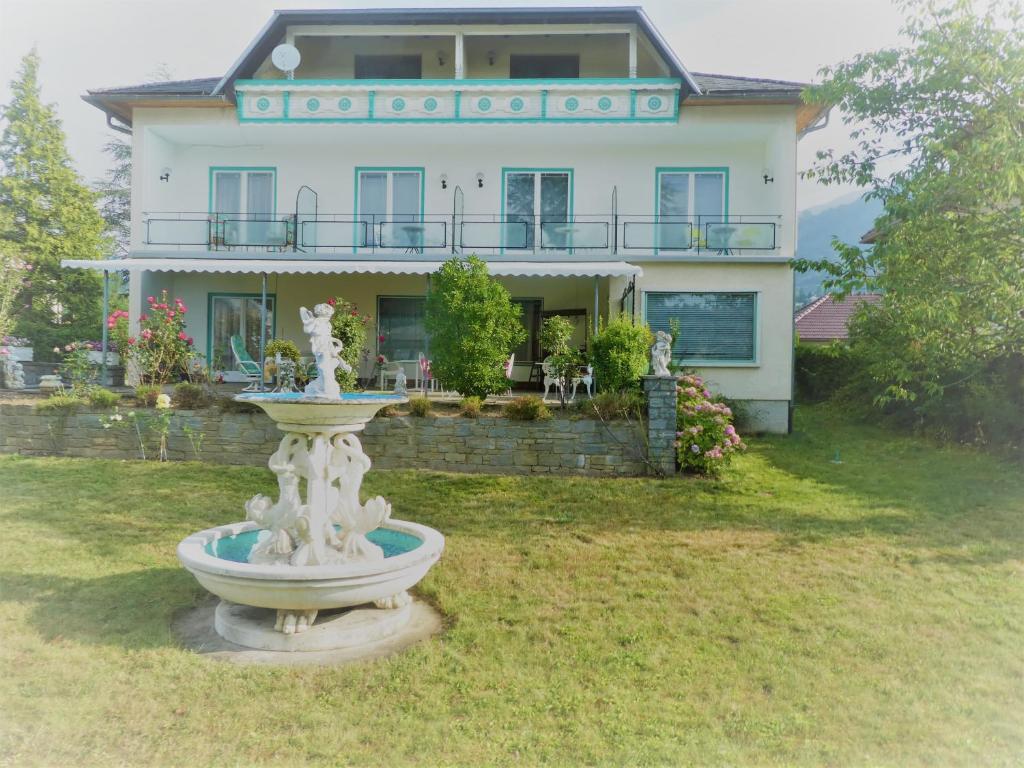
pixel 51 216
pixel 555 337
pixel 939 132
pixel 115 194
pixel 473 327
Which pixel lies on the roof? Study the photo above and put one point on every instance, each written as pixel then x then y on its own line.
pixel 202 86
pixel 704 88
pixel 828 319
pixel 730 85
pixel 279 266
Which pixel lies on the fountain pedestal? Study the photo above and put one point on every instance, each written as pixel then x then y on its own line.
pixel 317 546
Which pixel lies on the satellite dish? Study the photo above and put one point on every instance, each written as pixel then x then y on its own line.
pixel 286 58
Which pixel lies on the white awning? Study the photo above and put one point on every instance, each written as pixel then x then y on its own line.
pixel 342 267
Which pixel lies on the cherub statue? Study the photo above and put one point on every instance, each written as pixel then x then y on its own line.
pixel 13 373
pixel 661 354
pixel 326 350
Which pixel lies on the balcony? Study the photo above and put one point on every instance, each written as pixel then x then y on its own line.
pixel 491 236
pixel 576 100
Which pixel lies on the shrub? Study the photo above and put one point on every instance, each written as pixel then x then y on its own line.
pixel 190 396
pixel 386 411
pixel 349 327
pixel 77 368
pixel 620 354
pixel 419 406
pixel 471 407
pixel 103 398
pixel 527 408
pixel 705 437
pixel 614 405
pixel 821 371
pixel 162 350
pixel 473 327
pixel 146 394
pixel 60 403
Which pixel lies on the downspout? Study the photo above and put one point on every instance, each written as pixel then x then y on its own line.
pixel 118 128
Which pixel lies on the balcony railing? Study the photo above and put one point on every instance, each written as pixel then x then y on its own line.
pixel 495 236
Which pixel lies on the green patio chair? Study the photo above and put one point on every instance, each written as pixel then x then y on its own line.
pixel 249 367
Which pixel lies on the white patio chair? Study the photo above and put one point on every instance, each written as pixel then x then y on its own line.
pixel 389 371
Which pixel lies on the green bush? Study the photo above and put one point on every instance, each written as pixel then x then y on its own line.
pixel 705 437
pixel 146 394
pixel 473 327
pixel 471 407
pixel 629 404
pixel 285 347
pixel 527 408
pixel 60 403
pixel 349 327
pixel 620 354
pixel 823 370
pixel 555 336
pixel 190 396
pixel 103 398
pixel 419 406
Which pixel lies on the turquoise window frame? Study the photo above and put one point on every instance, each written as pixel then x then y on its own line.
pixel 755 362
pixel 214 169
pixel 572 190
pixel 691 169
pixel 211 296
pixel 385 169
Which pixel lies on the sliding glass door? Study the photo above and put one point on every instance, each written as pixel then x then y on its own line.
pixel 536 199
pixel 390 207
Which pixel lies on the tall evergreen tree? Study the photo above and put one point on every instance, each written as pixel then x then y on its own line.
pixel 115 193
pixel 52 215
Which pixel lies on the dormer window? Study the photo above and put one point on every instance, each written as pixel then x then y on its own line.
pixel 530 66
pixel 389 67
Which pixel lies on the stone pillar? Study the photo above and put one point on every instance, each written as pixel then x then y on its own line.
pixel 661 422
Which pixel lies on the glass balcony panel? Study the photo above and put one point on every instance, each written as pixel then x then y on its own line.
pixel 413 234
pixel 178 232
pixel 671 235
pixel 574 234
pixel 321 233
pixel 255 233
pixel 736 236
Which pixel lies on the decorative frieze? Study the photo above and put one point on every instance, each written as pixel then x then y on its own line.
pixel 577 100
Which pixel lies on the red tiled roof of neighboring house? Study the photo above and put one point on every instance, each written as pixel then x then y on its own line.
pixel 826 319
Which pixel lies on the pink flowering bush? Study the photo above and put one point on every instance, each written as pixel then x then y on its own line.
pixel 705 437
pixel 162 350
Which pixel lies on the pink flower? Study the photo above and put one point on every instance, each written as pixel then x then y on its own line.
pixel 182 335
pixel 730 430
pixel 150 299
pixel 131 340
pixel 143 318
pixel 332 301
pixel 190 341
pixel 147 334
pixel 4 351
pixel 382 338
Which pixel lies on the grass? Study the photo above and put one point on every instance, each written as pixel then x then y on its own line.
pixel 797 612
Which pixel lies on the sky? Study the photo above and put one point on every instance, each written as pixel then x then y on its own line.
pixel 101 43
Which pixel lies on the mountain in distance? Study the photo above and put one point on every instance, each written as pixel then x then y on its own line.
pixel 847 218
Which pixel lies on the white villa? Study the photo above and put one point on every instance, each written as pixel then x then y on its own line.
pixel 569 148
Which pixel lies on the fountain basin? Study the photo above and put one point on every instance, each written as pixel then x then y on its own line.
pixel 310 587
pixel 302 410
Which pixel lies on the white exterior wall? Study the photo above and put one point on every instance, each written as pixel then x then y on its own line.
pixel 748 140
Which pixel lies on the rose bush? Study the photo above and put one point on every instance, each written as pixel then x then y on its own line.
pixel 162 350
pixel 705 438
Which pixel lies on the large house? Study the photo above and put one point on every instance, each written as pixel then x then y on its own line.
pixel 349 152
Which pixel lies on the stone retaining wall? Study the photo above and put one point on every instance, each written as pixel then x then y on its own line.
pixel 564 446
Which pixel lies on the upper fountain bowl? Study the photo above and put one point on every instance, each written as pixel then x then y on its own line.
pixel 301 410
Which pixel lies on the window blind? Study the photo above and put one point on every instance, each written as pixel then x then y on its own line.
pixel 712 326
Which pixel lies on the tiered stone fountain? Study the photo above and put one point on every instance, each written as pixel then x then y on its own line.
pixel 317 547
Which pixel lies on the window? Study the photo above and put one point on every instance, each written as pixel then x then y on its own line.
pixel 537 201
pixel 244 200
pixel 389 67
pixel 236 314
pixel 713 327
pixel 529 316
pixel 530 66
pixel 688 198
pixel 389 202
pixel 400 322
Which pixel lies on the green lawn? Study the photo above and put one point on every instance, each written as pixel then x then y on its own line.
pixel 798 612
